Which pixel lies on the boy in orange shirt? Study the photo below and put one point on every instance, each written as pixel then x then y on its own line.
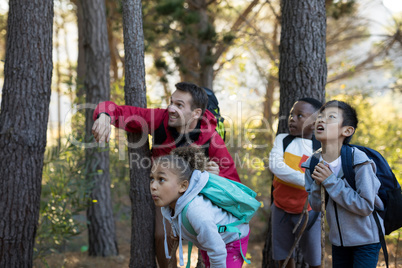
pixel 289 194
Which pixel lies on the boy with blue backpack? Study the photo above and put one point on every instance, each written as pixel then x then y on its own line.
pixel 354 230
pixel 219 228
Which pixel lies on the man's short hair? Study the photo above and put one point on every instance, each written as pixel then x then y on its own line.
pixel 348 113
pixel 198 95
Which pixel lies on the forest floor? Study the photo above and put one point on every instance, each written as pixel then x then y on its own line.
pixel 74 258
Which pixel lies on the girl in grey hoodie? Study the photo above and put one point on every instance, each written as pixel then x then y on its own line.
pixel 176 180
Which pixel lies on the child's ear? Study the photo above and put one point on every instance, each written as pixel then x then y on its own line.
pixel 183 186
pixel 348 131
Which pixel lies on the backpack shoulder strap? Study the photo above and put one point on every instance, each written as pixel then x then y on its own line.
pixel 286 141
pixel 315 158
pixel 347 158
pixel 316 144
pixel 185 220
pixel 159 135
pixel 205 146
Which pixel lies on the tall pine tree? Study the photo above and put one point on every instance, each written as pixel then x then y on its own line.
pixel 101 225
pixel 23 125
pixel 143 209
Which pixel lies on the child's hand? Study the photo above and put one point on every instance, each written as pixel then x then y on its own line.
pixel 321 172
pixel 212 167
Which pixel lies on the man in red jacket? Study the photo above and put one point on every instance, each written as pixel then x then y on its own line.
pixel 186 121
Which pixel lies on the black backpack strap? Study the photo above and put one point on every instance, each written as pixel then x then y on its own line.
pixel 347 157
pixel 382 238
pixel 316 144
pixel 205 146
pixel 286 141
pixel 159 135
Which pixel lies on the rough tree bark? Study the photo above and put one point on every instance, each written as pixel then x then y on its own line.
pixel 303 67
pixel 23 125
pixel 101 225
pixel 81 67
pixel 143 209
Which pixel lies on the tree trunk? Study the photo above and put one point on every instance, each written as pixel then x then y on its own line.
pixel 23 125
pixel 303 67
pixel 267 261
pixel 110 19
pixel 81 67
pixel 143 208
pixel 268 105
pixel 58 81
pixel 101 225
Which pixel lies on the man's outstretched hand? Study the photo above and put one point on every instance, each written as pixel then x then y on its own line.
pixel 101 128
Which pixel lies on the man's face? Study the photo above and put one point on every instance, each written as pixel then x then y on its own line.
pixel 181 116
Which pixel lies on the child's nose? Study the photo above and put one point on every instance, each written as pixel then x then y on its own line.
pixel 291 118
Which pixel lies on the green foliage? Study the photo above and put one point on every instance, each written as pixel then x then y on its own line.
pixel 169 7
pixel 228 38
pixel 65 193
pixel 207 34
pixel 339 9
pixel 160 64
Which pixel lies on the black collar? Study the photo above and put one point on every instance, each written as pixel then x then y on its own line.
pixel 186 138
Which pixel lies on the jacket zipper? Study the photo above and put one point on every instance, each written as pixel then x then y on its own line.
pixel 337 222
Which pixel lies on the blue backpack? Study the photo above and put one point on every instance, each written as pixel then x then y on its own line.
pixel 231 196
pixel 389 192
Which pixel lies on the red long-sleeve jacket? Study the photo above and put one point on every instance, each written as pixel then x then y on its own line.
pixel 147 121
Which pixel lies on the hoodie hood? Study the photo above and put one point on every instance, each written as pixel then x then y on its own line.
pixel 197 182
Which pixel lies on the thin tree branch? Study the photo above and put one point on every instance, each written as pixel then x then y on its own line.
pixel 235 27
pixel 304 213
pixel 278 17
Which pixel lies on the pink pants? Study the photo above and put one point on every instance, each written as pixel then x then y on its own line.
pixel 233 258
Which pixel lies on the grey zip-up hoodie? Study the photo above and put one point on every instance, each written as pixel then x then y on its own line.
pixel 203 217
pixel 349 212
